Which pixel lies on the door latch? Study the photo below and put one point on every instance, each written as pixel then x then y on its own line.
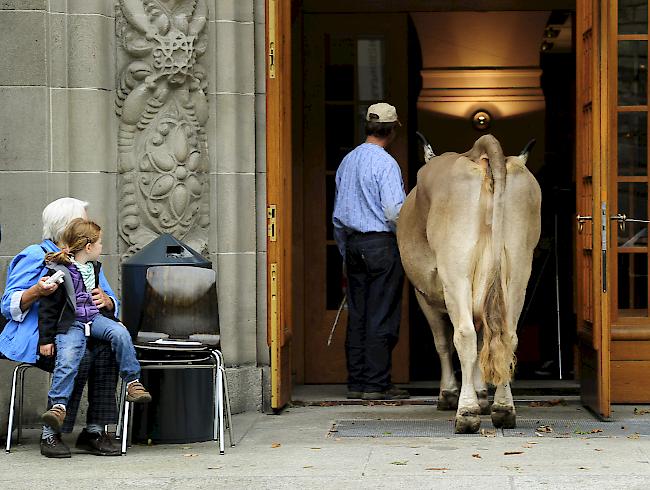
pixel 621 218
pixel 272 231
pixel 581 221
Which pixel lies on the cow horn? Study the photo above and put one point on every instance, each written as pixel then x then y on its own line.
pixel 428 151
pixel 528 148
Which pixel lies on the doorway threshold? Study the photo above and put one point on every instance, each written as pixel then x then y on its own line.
pixel 426 393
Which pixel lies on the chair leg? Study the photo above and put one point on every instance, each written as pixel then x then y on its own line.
pixel 215 423
pixel 125 426
pixel 220 408
pixel 228 412
pixel 23 371
pixel 12 403
pixel 120 404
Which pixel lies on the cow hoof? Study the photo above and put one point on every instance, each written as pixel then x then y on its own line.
pixel 467 424
pixel 483 402
pixel 448 400
pixel 504 417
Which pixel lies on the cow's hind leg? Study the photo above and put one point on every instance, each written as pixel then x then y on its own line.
pixel 443 338
pixel 458 298
pixel 503 408
pixel 479 383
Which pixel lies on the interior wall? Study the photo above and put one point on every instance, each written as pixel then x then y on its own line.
pixel 481 61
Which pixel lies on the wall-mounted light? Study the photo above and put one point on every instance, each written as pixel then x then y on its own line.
pixel 481 120
pixel 546 46
pixel 551 32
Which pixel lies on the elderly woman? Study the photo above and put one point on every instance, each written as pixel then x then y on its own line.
pixel 19 339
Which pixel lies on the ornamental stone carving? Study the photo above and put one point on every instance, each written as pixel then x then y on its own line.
pixel 162 106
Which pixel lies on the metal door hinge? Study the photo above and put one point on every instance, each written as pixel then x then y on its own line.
pixel 272 229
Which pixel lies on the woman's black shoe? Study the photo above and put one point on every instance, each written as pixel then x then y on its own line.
pixel 97 444
pixel 54 447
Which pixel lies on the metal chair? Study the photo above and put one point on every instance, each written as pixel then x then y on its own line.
pixel 17 387
pixel 181 302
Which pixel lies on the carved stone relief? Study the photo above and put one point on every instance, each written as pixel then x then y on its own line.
pixel 162 106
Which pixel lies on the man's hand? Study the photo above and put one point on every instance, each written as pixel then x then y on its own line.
pixel 102 300
pixel 46 350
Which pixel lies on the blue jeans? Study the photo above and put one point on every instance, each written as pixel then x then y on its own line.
pixel 70 348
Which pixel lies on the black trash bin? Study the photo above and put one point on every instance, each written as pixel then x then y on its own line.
pixel 182 407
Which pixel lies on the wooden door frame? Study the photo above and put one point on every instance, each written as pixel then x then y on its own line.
pixel 278 194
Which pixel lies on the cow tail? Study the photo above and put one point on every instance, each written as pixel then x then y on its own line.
pixel 497 357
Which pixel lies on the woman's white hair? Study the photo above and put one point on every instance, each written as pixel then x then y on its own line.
pixel 58 214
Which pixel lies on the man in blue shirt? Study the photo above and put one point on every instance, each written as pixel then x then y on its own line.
pixel 369 195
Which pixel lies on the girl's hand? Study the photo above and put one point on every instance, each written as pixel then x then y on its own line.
pixel 46 350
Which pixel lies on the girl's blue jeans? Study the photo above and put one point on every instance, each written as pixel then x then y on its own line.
pixel 70 348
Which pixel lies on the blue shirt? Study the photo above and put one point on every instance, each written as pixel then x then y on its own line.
pixel 19 339
pixel 369 193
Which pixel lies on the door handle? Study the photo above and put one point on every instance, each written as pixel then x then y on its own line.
pixel 581 221
pixel 621 218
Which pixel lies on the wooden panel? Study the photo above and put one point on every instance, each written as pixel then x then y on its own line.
pixel 630 381
pixel 631 351
pixel 630 332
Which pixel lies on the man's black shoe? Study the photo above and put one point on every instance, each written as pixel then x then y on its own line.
pixel 54 447
pixel 391 393
pixel 98 444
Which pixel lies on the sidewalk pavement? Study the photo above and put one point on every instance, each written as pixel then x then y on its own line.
pixel 297 449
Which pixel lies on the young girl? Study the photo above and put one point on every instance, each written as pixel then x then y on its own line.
pixel 68 316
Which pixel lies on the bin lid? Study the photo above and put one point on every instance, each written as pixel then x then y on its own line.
pixel 167 250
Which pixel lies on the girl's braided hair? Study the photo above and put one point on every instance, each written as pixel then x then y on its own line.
pixel 79 233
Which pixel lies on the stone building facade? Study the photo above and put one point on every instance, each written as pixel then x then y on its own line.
pixel 154 112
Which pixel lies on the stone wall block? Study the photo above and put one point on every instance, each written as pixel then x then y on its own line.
pixel 260 13
pixel 235 58
pixel 23 4
pixel 237 307
pixel 213 243
pixel 260 199
pixel 111 268
pixel 236 10
pixel 98 7
pixel 84 133
pixel 23 41
pixel 236 216
pixel 100 190
pixel 260 58
pixel 263 354
pixel 245 388
pixel 211 130
pixel 24 133
pixel 235 137
pixel 23 197
pixel 260 133
pixel 83 51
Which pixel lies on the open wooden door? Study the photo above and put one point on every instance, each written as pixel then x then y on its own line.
pixel 350 62
pixel 592 230
pixel 279 189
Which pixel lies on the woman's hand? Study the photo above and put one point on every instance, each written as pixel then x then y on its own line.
pixel 46 350
pixel 102 300
pixel 43 289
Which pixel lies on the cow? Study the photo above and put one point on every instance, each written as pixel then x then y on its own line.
pixel 466 234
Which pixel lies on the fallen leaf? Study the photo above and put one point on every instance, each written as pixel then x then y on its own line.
pixel 544 428
pixel 314 448
pixel 582 468
pixel 275 444
pixel 437 469
pixel 308 466
pixel 508 453
pixel 641 411
pixel 633 436
pixel 596 449
pixel 592 431
pixel 531 442
pixel 186 447
pixel 526 446
pixel 190 455
pixel 476 455
pixel 488 432
pixel 215 467
pixel 387 433
pixel 399 463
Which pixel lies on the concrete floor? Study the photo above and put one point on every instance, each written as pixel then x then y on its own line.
pixel 295 449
